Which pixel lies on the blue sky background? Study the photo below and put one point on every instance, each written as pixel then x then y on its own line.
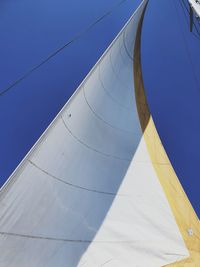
pixel 31 30
pixel 171 68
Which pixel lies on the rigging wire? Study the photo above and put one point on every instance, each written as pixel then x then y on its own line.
pixel 186 46
pixel 53 54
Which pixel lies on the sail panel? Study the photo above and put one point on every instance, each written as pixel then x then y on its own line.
pixel 87 194
pixel 195 4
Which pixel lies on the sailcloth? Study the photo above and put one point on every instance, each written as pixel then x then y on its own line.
pixel 195 4
pixel 88 193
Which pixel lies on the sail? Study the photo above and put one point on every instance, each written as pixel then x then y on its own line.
pixel 195 4
pixel 92 191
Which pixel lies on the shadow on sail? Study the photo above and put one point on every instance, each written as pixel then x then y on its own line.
pixel 87 194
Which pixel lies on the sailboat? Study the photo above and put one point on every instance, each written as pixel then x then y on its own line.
pixel 98 189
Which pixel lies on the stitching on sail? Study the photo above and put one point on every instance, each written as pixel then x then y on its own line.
pixel 121 46
pixel 117 77
pixel 91 148
pixel 96 115
pixel 69 240
pixel 109 94
pixel 73 185
pixel 126 47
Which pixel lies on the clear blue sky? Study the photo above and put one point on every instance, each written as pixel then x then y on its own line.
pixel 171 67
pixel 30 30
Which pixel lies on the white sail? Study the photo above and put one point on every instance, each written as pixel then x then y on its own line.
pixel 87 194
pixel 195 4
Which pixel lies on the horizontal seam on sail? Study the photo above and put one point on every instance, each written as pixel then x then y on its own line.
pixel 72 185
pixel 121 46
pixel 117 77
pixel 122 58
pixel 43 237
pixel 99 117
pixel 109 94
pixel 126 47
pixel 69 240
pixel 91 148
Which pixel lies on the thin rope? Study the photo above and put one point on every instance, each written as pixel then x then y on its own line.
pixel 53 54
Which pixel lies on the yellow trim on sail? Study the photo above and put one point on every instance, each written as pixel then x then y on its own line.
pixel 186 218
